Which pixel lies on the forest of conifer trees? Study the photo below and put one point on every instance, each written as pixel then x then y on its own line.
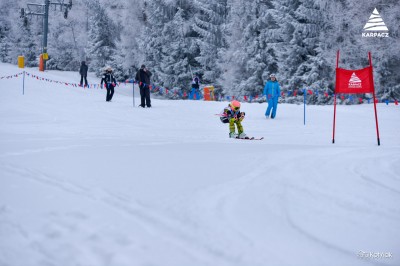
pixel 233 44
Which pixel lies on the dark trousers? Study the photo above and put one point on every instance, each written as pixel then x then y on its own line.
pixel 84 77
pixel 145 96
pixel 110 92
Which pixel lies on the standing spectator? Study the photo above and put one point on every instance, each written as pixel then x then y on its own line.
pixel 272 92
pixel 195 92
pixel 109 83
pixel 83 71
pixel 143 77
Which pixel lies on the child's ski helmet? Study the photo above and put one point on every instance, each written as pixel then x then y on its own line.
pixel 235 105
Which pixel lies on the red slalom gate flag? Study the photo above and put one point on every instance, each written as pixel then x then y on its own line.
pixel 354 81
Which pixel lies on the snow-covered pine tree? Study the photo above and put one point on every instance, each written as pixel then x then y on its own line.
pixel 305 63
pixel 271 36
pixel 174 67
pixel 24 39
pixel 129 53
pixel 63 48
pixel 25 43
pixel 233 57
pixel 155 15
pixel 117 63
pixel 5 32
pixel 67 38
pixel 102 37
pixel 5 43
pixel 251 56
pixel 208 23
pixel 167 42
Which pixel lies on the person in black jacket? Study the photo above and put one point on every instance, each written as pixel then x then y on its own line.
pixel 109 83
pixel 143 77
pixel 83 71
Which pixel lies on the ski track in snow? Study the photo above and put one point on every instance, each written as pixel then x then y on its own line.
pixel 388 164
pixel 218 202
pixel 170 231
pixel 358 174
pixel 43 149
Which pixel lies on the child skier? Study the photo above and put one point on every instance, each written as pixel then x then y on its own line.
pixel 232 115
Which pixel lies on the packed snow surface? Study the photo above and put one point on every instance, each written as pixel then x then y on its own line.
pixel 89 182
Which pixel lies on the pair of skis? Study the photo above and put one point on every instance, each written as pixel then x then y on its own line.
pixel 246 138
pixel 251 138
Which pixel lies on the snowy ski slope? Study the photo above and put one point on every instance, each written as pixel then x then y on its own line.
pixel 87 182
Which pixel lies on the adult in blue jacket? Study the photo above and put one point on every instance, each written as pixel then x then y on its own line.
pixel 272 91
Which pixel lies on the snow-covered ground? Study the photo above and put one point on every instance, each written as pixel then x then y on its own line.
pixel 89 182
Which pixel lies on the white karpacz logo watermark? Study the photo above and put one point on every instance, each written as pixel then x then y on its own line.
pixel 355 82
pixel 375 26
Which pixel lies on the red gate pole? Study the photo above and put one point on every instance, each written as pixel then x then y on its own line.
pixel 334 102
pixel 334 118
pixel 373 93
pixel 376 121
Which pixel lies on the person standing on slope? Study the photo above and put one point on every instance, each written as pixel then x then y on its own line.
pixel 109 83
pixel 232 115
pixel 272 92
pixel 83 72
pixel 195 92
pixel 143 77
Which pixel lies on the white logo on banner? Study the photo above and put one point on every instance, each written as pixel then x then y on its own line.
pixel 375 26
pixel 355 82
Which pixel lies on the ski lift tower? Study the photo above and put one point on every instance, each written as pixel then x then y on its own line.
pixel 42 10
